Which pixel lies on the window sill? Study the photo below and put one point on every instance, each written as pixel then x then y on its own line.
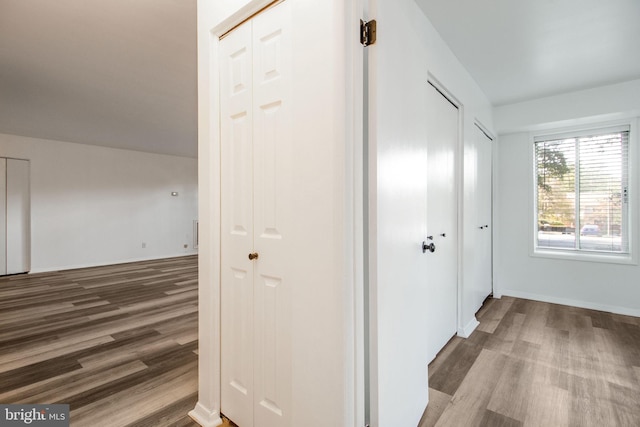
pixel 568 255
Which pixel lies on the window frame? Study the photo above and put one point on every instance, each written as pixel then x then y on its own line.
pixel 632 215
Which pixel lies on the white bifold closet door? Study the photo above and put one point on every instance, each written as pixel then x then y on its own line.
pixel 484 214
pixel 442 220
pixel 15 216
pixel 257 191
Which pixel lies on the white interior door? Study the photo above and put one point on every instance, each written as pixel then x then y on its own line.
pixel 485 226
pixel 257 191
pixel 442 220
pixel 18 217
pixel 3 216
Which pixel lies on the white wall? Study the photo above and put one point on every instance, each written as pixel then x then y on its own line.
pixel 94 205
pixel 407 51
pixel 605 286
pixel 222 9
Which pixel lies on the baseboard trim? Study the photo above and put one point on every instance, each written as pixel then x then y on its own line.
pixel 469 328
pixel 114 262
pixel 205 417
pixel 626 311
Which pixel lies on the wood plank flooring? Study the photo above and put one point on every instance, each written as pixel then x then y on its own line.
pixel 536 364
pixel 117 343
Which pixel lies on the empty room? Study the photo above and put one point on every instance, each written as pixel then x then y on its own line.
pixel 379 213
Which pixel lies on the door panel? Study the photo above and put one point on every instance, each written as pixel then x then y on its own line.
pixel 442 220
pixel 273 193
pixel 237 390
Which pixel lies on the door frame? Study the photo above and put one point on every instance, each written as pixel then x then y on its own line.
pixel 207 410
pixel 459 176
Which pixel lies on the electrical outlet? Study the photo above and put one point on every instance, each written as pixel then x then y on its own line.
pixel 144 245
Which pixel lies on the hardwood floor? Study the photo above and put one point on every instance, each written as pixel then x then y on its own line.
pixel 537 364
pixel 117 343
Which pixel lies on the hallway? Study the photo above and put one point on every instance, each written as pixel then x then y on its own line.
pixel 537 364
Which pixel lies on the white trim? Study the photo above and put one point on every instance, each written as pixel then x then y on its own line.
pixel 532 191
pixel 580 132
pixel 208 405
pixel 372 231
pixel 205 417
pixel 634 189
pixel 484 129
pixel 431 79
pixel 103 264
pixel 626 311
pixel 245 12
pixel 469 328
pixel 495 218
pixel 459 174
pixel 582 255
pixel 354 336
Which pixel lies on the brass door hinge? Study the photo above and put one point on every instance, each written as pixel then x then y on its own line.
pixel 367 32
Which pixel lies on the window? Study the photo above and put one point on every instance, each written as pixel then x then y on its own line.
pixel 582 191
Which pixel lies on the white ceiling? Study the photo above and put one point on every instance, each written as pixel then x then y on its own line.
pixel 524 49
pixel 118 73
pixel 122 73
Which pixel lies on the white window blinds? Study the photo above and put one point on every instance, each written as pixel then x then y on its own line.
pixel 582 192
